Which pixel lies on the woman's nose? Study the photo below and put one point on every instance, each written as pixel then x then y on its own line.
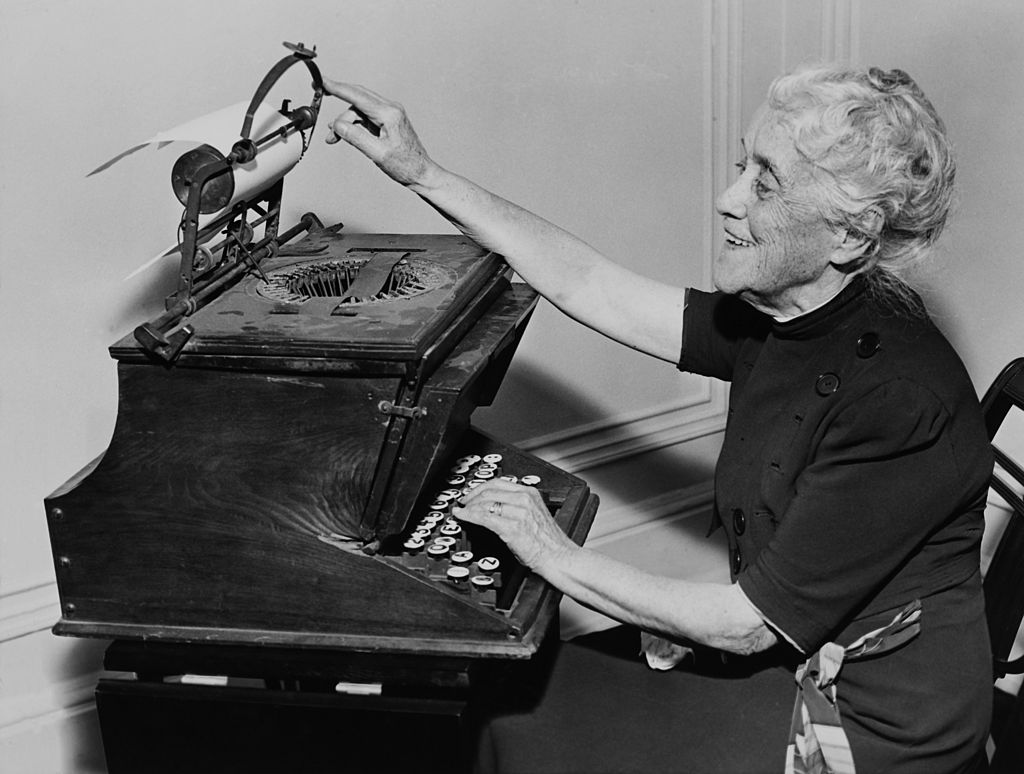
pixel 733 200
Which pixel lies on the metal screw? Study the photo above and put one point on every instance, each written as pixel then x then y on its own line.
pixel 64 561
pixel 57 514
pixel 69 609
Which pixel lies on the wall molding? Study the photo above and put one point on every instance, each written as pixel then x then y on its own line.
pixel 839 26
pixel 30 609
pixel 53 704
pixel 616 439
pixel 623 521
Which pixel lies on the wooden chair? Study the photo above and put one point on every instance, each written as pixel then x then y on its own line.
pixel 1004 579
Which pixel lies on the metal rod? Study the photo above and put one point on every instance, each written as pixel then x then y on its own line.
pixel 181 308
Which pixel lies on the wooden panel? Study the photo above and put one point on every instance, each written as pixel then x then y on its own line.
pixel 469 378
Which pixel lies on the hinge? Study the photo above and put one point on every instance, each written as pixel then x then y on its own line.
pixel 409 412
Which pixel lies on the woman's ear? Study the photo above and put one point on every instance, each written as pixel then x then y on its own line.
pixel 856 247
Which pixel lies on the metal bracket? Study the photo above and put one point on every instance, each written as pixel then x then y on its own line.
pixel 408 412
pixel 166 346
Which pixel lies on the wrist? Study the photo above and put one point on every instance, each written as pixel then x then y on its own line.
pixel 430 180
pixel 555 564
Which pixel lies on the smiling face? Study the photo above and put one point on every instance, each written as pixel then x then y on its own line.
pixel 780 255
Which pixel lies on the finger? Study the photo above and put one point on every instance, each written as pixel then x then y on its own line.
pixel 356 133
pixel 483 514
pixel 525 498
pixel 496 488
pixel 371 104
pixel 352 93
pixel 346 126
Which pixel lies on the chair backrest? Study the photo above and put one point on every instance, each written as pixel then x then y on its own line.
pixel 1004 580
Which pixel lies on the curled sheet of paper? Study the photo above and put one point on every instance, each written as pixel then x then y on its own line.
pixel 221 129
pixel 660 653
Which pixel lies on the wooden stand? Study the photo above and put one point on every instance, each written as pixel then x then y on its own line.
pixel 281 710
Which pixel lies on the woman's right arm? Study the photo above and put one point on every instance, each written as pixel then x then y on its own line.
pixel 638 312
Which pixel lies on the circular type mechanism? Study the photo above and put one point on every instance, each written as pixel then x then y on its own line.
pixel 216 192
pixel 331 279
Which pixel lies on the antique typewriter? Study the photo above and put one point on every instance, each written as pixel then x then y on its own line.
pixel 270 525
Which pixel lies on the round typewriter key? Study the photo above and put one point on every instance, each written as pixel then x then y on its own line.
pixel 512 479
pixel 462 557
pixel 451 494
pixel 492 459
pixel 437 550
pixel 530 480
pixel 484 475
pixel 488 564
pixel 434 516
pixel 413 544
pixel 482 582
pixel 486 466
pixel 456 481
pixel 439 506
pixel 451 529
pixel 458 574
pixel 421 534
pixel 460 469
pixel 474 483
pixel 445 540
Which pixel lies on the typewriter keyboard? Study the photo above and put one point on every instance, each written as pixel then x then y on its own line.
pixel 469 558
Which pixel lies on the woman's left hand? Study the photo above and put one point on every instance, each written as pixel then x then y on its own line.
pixel 380 129
pixel 518 516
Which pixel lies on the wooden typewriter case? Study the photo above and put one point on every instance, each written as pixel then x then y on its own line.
pixel 251 489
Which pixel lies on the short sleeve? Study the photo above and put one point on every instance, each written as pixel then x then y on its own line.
pixel 716 327
pixel 884 472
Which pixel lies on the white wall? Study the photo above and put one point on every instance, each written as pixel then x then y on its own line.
pixel 597 114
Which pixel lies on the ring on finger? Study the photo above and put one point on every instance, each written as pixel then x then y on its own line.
pixel 495 508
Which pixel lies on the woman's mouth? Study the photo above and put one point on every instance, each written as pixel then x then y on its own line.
pixel 737 242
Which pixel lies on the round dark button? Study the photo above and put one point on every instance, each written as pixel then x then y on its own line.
pixel 737 561
pixel 868 344
pixel 827 384
pixel 739 521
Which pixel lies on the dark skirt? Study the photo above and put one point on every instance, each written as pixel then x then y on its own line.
pixel 605 711
pixel 923 708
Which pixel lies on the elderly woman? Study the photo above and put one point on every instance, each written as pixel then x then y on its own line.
pixel 851 481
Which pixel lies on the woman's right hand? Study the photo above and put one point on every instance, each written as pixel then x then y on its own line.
pixel 380 129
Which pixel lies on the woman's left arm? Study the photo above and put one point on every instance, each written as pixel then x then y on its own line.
pixel 712 614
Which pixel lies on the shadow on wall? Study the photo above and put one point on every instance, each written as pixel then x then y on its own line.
pixel 533 403
pixel 85 744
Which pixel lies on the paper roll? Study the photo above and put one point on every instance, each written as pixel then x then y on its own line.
pixel 222 129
